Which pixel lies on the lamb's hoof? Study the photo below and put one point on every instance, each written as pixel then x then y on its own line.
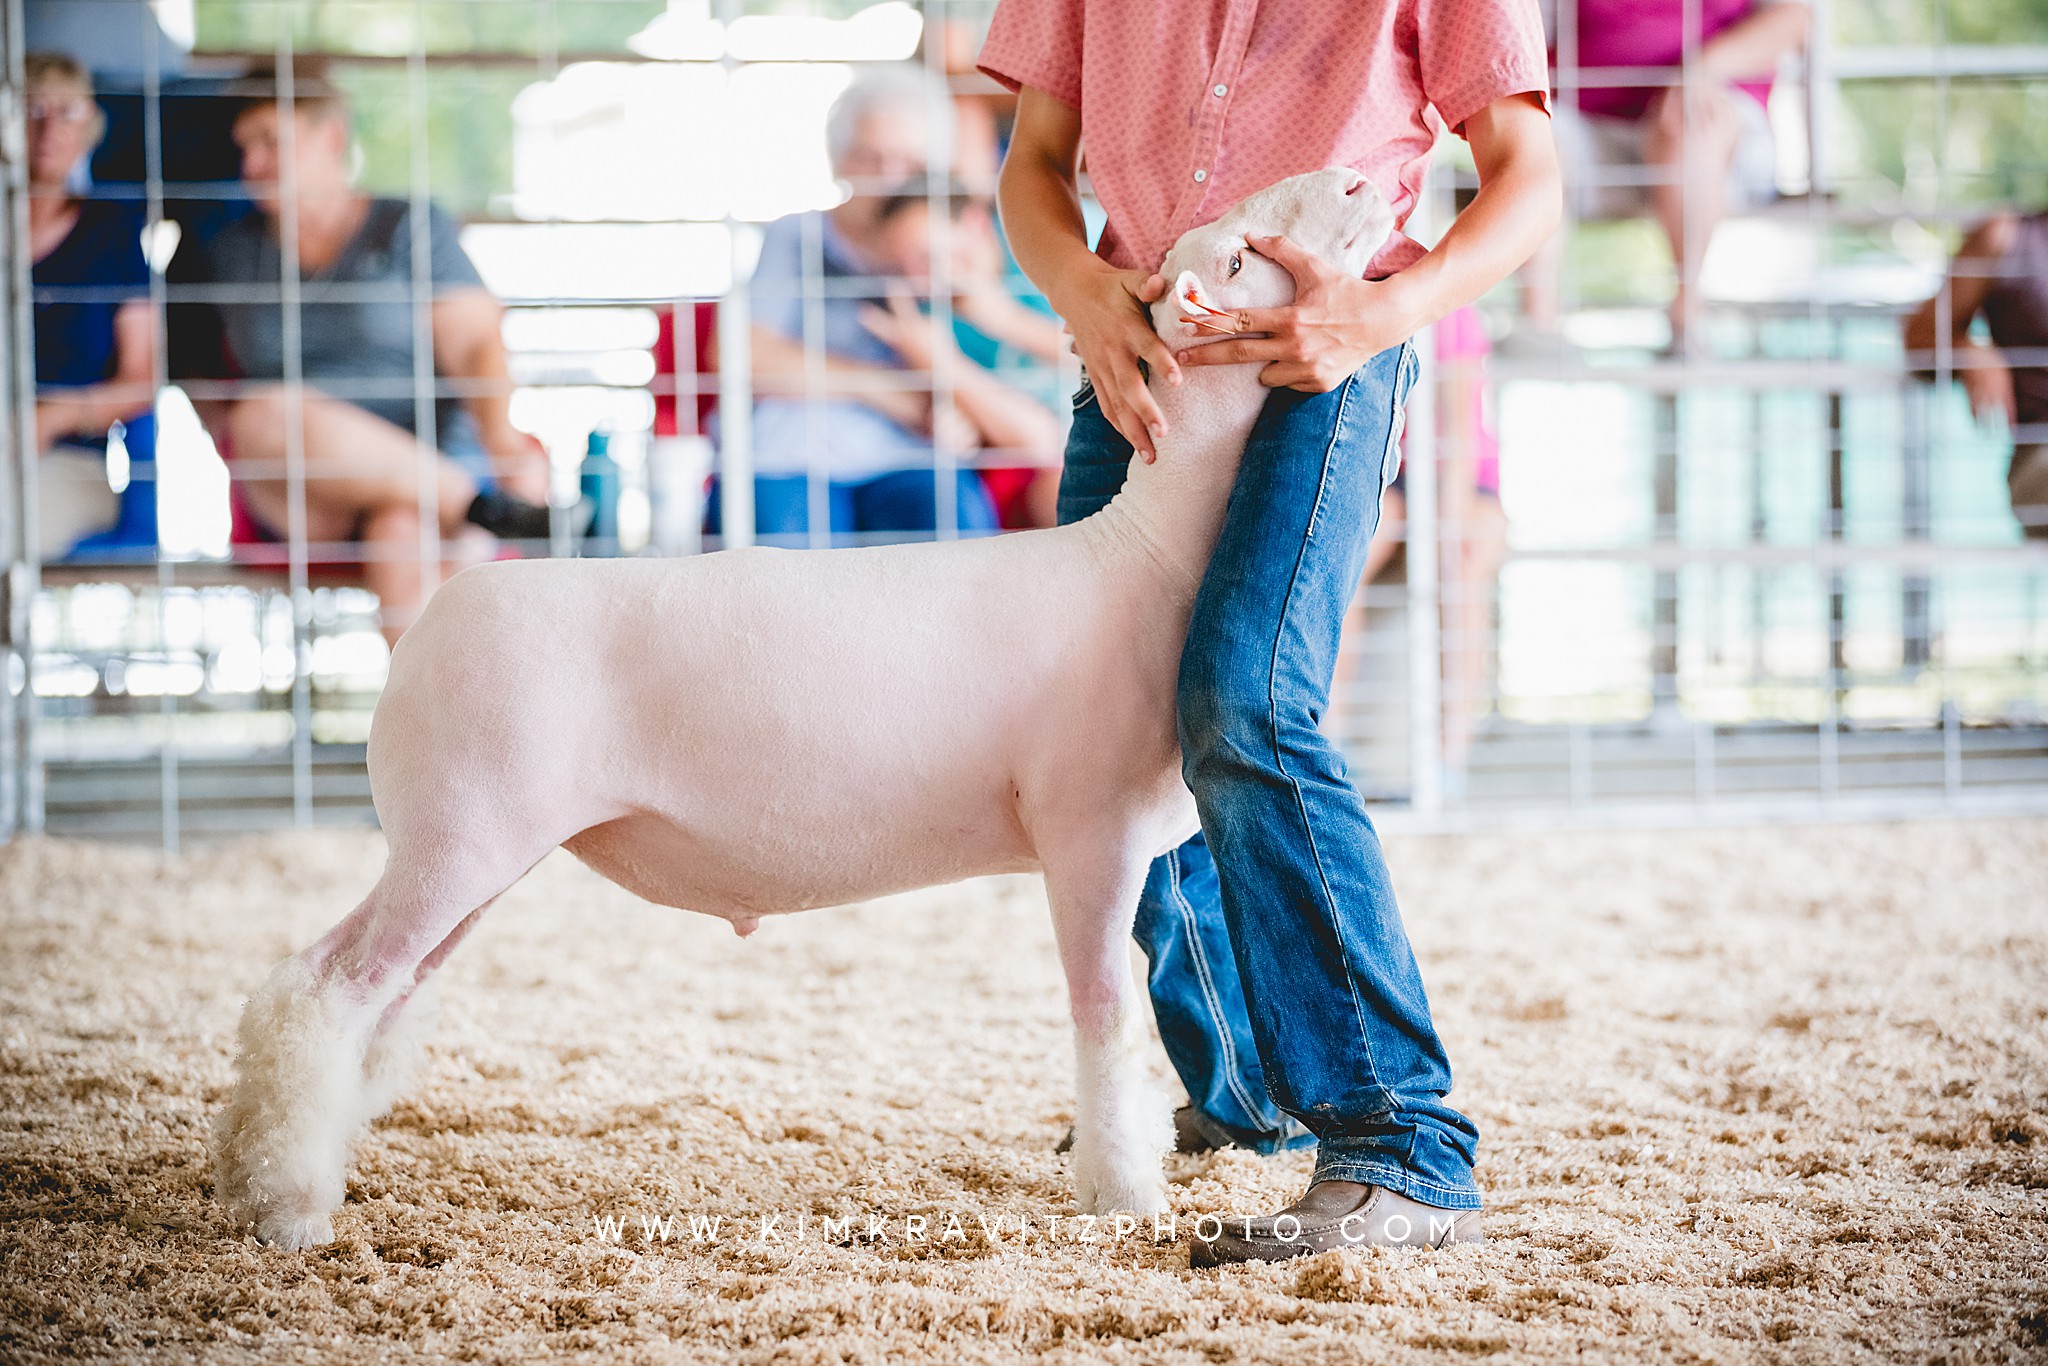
pixel 295 1234
pixel 1144 1196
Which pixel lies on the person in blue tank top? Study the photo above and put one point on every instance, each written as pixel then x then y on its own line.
pixel 94 339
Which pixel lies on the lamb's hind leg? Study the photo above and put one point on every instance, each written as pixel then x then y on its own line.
pixel 1123 1125
pixel 399 1039
pixel 328 1040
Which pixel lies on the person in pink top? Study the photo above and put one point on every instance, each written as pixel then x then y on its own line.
pixel 1472 528
pixel 1690 153
pixel 1285 988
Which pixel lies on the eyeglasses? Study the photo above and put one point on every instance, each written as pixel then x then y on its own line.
pixel 73 110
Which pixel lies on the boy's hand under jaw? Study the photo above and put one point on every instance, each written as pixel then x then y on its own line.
pixel 1336 323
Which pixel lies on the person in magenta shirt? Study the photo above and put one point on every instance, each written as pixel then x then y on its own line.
pixel 1474 532
pixel 1286 991
pixel 1688 155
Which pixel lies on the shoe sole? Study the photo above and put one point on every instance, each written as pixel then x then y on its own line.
pixel 1229 1251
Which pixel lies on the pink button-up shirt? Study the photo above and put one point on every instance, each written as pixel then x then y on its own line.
pixel 1189 105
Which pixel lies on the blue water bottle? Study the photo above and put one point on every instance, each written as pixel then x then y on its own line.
pixel 600 485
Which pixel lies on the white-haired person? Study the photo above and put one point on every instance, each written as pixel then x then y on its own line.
pixel 365 464
pixel 95 343
pixel 855 272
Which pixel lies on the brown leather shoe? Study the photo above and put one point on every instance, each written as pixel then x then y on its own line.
pixel 1187 1135
pixel 1337 1214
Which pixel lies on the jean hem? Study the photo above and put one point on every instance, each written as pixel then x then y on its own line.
pixel 1396 1178
pixel 1259 1141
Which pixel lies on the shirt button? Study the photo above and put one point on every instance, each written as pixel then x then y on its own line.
pixel 1201 176
pixel 1220 91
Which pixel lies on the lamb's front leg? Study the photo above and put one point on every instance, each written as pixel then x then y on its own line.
pixel 1123 1122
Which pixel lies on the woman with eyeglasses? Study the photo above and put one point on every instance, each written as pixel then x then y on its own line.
pixel 95 340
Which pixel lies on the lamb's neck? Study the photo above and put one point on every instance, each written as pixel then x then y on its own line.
pixel 1170 512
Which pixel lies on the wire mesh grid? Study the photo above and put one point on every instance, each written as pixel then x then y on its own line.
pixel 1772 573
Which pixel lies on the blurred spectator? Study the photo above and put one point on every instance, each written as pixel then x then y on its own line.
pixel 1003 325
pixel 95 341
pixel 872 428
pixel 365 464
pixel 998 416
pixel 120 39
pixel 1706 147
pixel 2001 271
pixel 1472 528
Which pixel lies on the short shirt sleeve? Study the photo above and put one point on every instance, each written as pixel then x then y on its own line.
pixel 196 333
pixel 1036 43
pixel 448 265
pixel 1477 51
pixel 775 294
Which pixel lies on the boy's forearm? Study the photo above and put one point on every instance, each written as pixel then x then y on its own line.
pixel 1518 205
pixel 1041 209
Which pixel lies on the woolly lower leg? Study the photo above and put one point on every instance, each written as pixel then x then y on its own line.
pixel 325 1045
pixel 1123 1122
pixel 280 1149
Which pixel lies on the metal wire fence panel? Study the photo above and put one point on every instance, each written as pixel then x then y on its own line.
pixel 600 259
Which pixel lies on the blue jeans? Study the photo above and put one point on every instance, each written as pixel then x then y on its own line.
pixel 1286 992
pixel 900 500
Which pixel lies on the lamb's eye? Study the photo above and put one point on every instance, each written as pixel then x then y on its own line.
pixel 1236 263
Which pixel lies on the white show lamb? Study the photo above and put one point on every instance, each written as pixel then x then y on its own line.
pixel 764 731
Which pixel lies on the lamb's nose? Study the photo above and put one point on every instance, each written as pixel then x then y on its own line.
pixel 1357 184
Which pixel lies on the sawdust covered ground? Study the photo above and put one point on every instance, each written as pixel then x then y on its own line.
pixel 1748 1095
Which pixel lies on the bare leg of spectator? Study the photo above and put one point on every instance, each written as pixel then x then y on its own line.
pixel 1042 499
pixel 1389 538
pixel 1467 615
pixel 362 484
pixel 1387 541
pixel 1468 625
pixel 356 464
pixel 392 565
pixel 1691 143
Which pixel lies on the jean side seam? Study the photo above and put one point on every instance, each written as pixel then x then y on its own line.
pixel 1279 758
pixel 1205 976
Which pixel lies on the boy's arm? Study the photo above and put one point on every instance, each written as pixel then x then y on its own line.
pixel 1338 322
pixel 1981 368
pixel 1103 307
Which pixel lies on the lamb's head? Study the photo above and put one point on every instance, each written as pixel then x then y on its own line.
pixel 1336 214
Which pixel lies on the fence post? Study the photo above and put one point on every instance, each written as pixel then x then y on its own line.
pixel 735 371
pixel 21 797
pixel 1425 652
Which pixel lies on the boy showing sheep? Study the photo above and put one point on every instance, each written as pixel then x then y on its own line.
pixel 1282 978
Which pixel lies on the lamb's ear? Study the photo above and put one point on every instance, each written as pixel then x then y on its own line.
pixel 1187 292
